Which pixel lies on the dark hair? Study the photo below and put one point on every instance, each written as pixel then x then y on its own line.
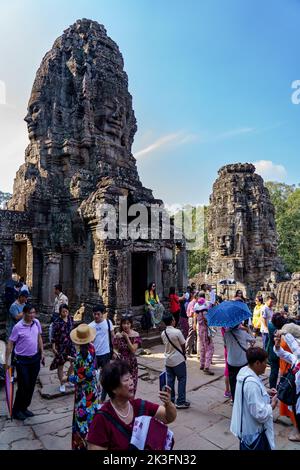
pixel 112 374
pixel 99 308
pixel 61 307
pixel 172 290
pixel 201 294
pixel 167 319
pixel 22 279
pixel 150 288
pixel 278 320
pixel 26 309
pixel 84 349
pixel 58 287
pixel 239 292
pixel 125 318
pixel 271 297
pixel 23 293
pixel 260 298
pixel 256 354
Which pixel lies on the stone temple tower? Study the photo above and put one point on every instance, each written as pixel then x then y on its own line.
pixel 241 229
pixel 81 126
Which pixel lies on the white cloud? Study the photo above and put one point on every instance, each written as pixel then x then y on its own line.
pixel 234 133
pixel 177 138
pixel 270 171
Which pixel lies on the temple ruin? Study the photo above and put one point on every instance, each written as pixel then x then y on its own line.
pixel 81 127
pixel 241 230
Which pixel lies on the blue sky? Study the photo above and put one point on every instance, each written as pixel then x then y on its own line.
pixel 210 79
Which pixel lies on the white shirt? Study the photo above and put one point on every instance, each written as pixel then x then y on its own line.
pixel 291 359
pixel 60 299
pixel 212 297
pixel 267 314
pixel 173 357
pixel 101 342
pixel 257 410
pixel 24 288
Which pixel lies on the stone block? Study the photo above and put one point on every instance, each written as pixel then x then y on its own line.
pixel 12 434
pixel 195 442
pixel 26 444
pixel 47 418
pixel 50 442
pixel 52 391
pixel 220 434
pixel 53 427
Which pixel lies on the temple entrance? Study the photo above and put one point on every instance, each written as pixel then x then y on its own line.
pixel 20 258
pixel 141 275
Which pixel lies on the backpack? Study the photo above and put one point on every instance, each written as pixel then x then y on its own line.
pixel 146 321
pixel 286 389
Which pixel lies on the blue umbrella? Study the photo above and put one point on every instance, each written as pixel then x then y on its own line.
pixel 228 314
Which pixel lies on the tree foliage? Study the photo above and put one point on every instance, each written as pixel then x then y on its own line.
pixel 286 200
pixel 197 259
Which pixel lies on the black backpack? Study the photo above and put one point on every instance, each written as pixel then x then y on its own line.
pixel 286 389
pixel 146 321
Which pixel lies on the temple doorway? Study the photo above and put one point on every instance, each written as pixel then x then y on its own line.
pixel 20 258
pixel 141 274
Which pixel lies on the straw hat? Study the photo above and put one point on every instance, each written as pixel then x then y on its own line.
pixel 83 334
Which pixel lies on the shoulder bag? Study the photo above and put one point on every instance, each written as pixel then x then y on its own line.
pixel 175 347
pixel 261 442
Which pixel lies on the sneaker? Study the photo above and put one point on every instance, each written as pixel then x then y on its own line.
pixel 19 415
pixel 28 413
pixel 62 388
pixel 208 372
pixel 183 406
pixel 227 394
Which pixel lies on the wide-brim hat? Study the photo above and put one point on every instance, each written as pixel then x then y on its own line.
pixel 83 334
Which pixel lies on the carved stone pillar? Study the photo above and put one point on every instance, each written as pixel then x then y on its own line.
pixel 51 276
pixel 182 268
pixel 123 287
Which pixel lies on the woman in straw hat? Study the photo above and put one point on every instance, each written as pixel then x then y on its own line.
pixel 84 378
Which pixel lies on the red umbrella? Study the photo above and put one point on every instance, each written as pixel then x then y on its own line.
pixel 9 389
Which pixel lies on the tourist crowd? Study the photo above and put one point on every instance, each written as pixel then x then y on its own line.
pixel 102 362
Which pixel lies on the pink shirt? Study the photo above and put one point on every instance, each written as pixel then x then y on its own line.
pixel 26 337
pixel 190 308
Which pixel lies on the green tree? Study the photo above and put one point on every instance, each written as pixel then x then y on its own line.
pixel 197 259
pixel 286 200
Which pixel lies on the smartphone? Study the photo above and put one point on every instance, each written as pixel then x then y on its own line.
pixel 162 381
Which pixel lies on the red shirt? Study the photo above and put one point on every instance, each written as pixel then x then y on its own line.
pixel 103 433
pixel 174 303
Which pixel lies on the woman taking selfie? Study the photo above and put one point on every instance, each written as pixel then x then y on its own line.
pixel 112 426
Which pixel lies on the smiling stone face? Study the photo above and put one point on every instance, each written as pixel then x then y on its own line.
pixel 35 120
pixel 80 93
pixel 110 118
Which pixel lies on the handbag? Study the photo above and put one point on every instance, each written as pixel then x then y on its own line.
pixel 261 442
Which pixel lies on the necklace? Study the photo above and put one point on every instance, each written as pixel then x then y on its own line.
pixel 122 416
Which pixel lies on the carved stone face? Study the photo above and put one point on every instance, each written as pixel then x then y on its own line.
pixel 35 119
pixel 110 118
